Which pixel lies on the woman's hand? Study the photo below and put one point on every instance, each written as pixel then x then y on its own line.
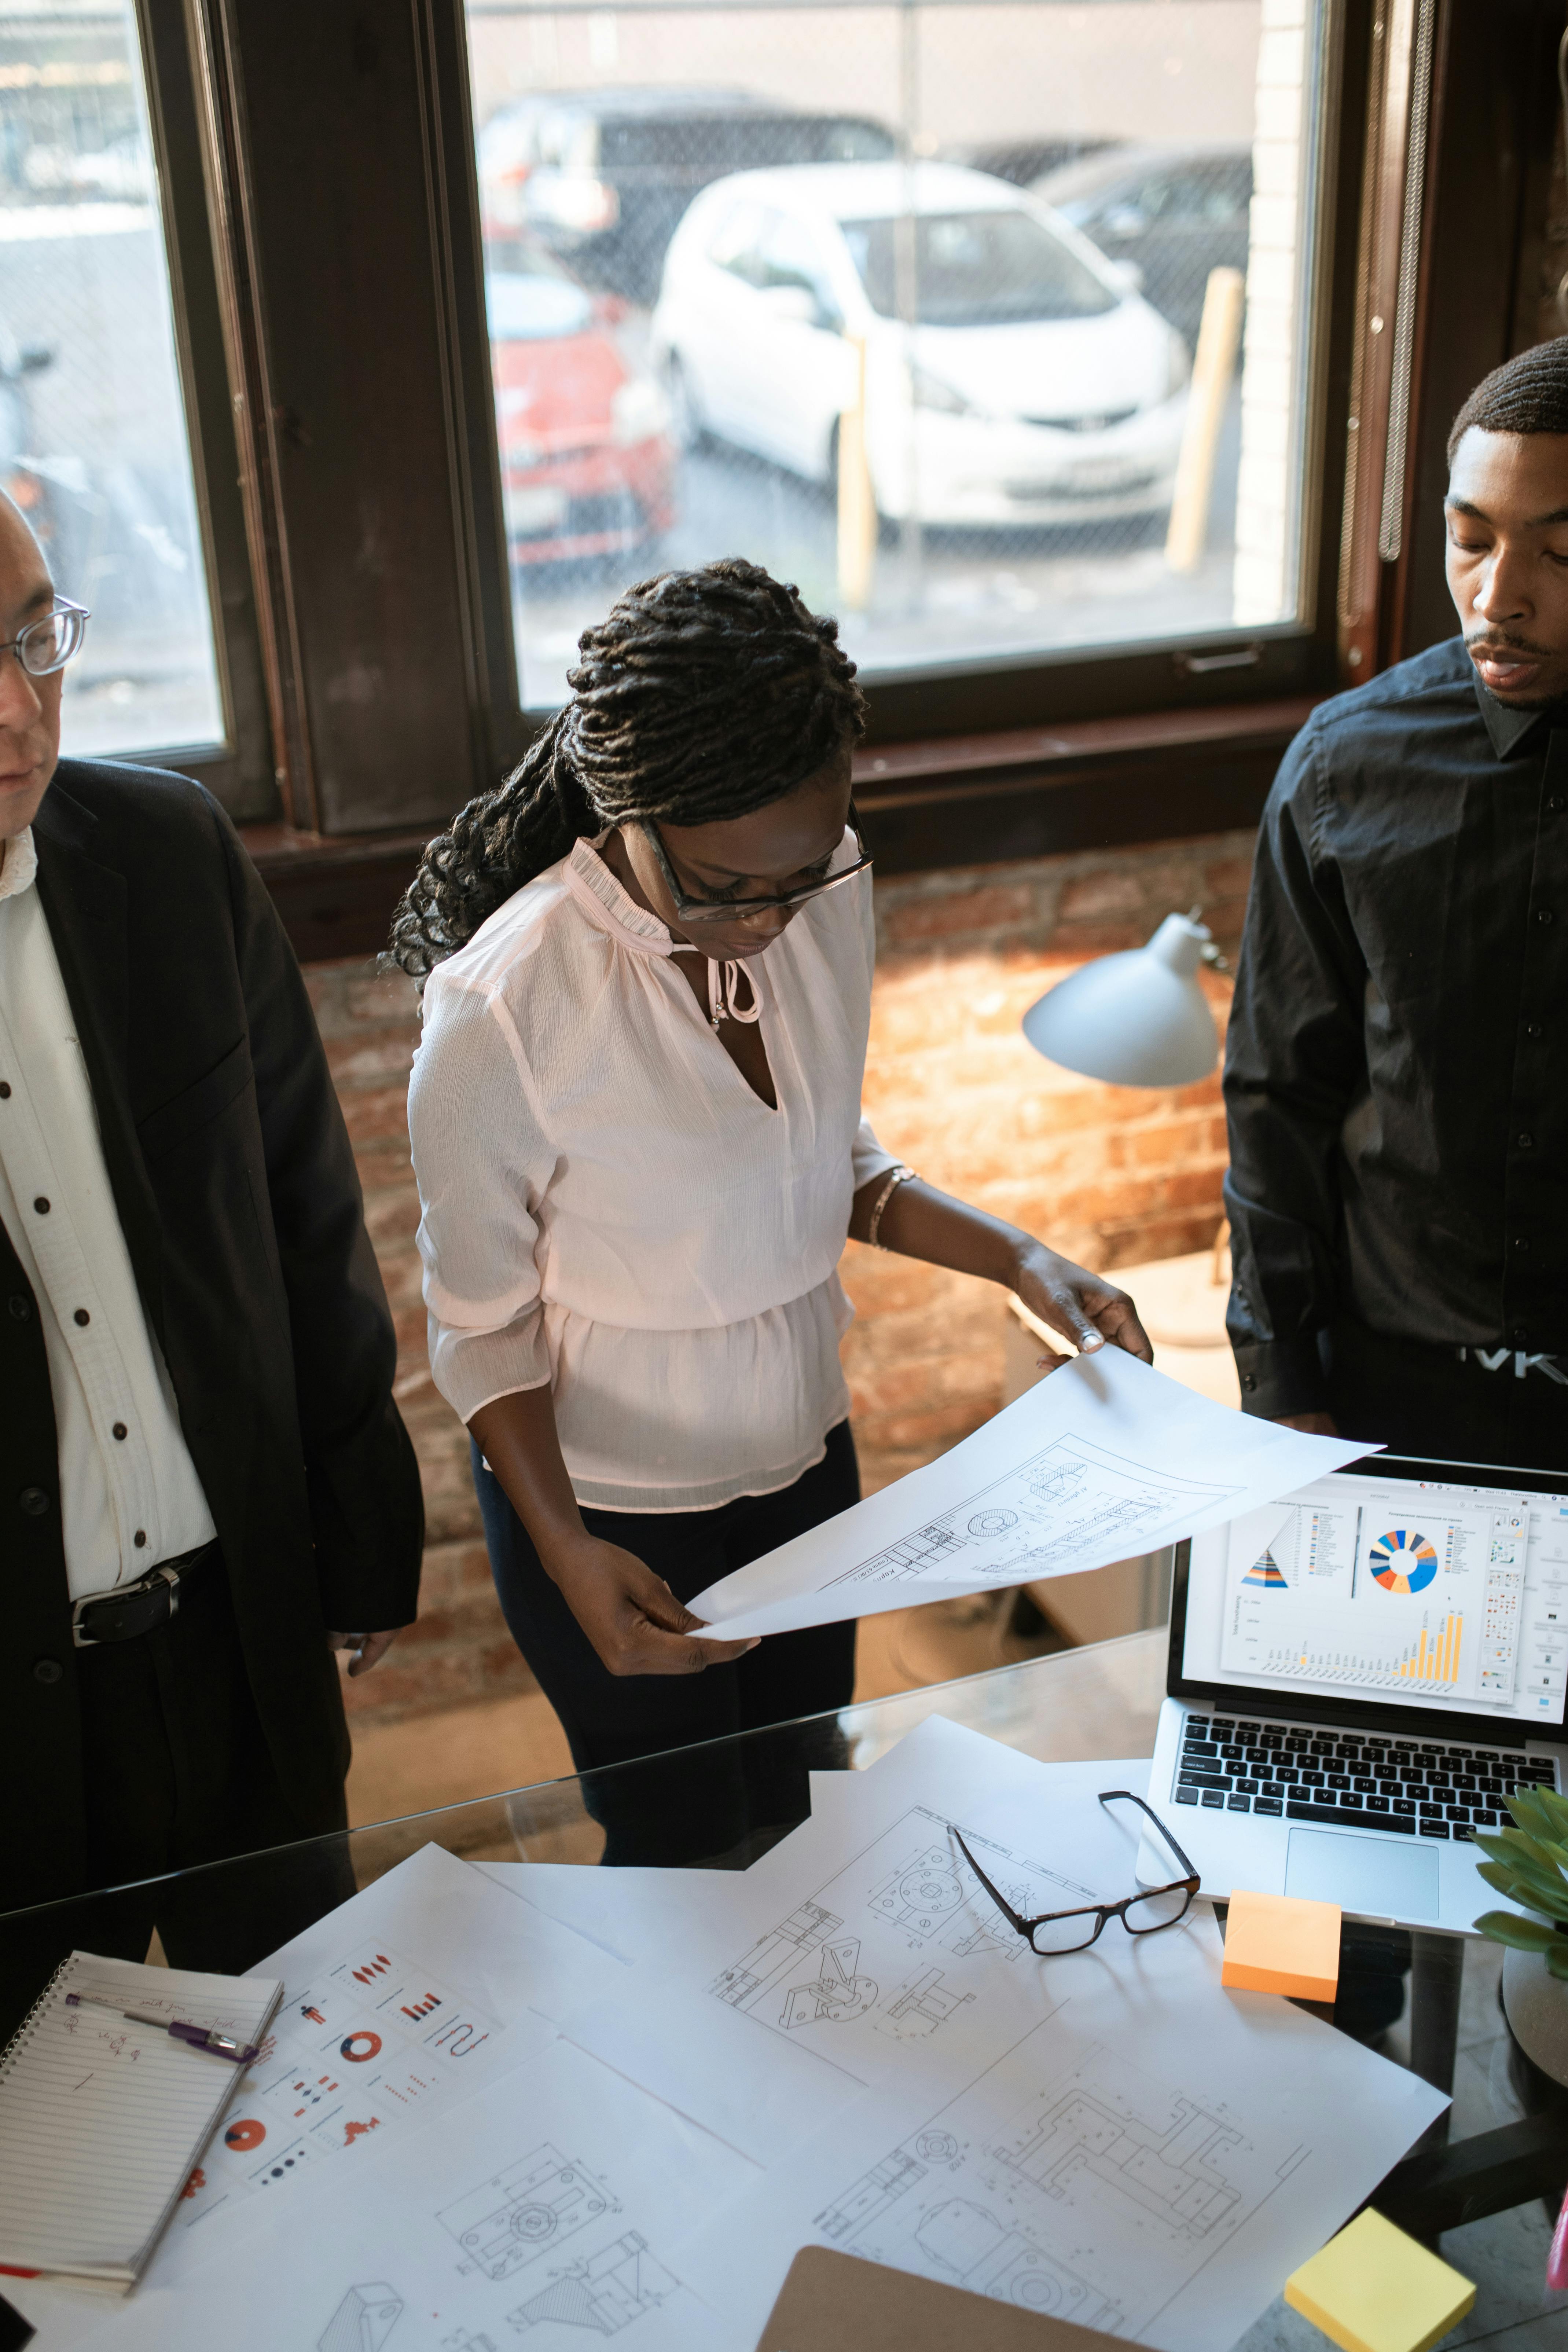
pixel 632 1618
pixel 1084 1306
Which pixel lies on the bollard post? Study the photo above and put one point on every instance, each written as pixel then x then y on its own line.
pixel 856 500
pixel 1214 365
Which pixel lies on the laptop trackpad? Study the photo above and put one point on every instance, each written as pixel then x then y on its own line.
pixel 1362 1873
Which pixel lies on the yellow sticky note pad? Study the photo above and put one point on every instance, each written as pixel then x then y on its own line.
pixel 1277 1943
pixel 1372 2289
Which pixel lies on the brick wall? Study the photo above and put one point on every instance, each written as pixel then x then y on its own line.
pixel 1111 1175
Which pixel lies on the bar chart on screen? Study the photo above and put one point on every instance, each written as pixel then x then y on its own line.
pixel 1342 1646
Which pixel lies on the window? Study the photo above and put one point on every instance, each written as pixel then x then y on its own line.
pixel 931 354
pixel 93 439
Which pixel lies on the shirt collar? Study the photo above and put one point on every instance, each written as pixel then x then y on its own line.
pixel 1509 727
pixel 598 892
pixel 20 868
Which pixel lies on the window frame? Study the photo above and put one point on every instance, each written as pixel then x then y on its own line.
pixel 1017 756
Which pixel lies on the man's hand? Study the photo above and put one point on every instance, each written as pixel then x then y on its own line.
pixel 1084 1306
pixel 1316 1424
pixel 370 1648
pixel 632 1618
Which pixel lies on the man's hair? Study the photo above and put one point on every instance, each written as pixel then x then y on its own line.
pixel 1527 395
pixel 703 695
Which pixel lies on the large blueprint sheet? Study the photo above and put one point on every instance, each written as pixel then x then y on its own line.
pixel 1104 1460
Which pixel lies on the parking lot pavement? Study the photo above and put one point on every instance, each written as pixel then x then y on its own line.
pixel 939 597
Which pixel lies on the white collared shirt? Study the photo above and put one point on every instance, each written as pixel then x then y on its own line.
pixel 609 1207
pixel 129 1490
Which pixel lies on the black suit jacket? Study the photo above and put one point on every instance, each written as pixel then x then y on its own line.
pixel 237 1195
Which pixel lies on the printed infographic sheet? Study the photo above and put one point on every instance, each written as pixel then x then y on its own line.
pixel 545 2209
pixel 1104 1460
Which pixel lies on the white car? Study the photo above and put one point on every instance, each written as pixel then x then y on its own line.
pixel 1012 374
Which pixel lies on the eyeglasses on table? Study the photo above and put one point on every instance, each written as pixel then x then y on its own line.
pixel 1143 1914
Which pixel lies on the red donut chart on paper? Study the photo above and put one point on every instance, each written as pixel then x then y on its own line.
pixel 246 2134
pixel 357 2047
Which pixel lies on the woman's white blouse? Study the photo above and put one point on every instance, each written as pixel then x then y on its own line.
pixel 609 1207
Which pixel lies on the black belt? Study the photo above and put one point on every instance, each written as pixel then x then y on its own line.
pixel 131 1610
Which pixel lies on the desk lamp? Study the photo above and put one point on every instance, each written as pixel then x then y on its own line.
pixel 1139 1019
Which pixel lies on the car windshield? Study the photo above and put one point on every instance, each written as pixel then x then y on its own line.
pixel 533 308
pixel 976 270
pixel 708 147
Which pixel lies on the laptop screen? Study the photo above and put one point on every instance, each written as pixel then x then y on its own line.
pixel 1394 1587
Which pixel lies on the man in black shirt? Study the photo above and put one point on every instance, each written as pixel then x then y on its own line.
pixel 1398 1188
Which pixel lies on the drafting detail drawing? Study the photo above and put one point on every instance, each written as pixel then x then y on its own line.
pixel 1069 1496
pixel 465 2342
pixel 919 2007
pixel 1172 2173
pixel 1094 2197
pixel 813 1970
pixel 604 2292
pixel 835 1991
pixel 363 2320
pixel 525 2211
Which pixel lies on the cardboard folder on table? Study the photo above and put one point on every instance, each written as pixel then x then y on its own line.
pixel 837 2303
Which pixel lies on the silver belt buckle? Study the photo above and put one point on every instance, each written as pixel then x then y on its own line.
pixel 148 1584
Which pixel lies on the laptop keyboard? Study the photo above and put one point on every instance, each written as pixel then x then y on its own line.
pixel 1412 1787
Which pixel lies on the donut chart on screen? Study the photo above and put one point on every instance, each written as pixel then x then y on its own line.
pixel 1403 1561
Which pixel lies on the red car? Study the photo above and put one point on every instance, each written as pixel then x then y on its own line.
pixel 585 454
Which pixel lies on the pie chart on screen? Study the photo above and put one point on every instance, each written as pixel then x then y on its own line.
pixel 1403 1561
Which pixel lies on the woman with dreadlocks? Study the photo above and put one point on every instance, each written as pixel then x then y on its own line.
pixel 635 1120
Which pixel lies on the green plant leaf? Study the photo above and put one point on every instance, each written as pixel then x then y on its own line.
pixel 1557 1962
pixel 1497 1874
pixel 1529 1809
pixel 1520 1935
pixel 1529 1886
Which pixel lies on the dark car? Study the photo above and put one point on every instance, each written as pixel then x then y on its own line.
pixel 604 176
pixel 1172 212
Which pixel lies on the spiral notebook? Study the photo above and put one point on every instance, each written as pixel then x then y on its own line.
pixel 101 2123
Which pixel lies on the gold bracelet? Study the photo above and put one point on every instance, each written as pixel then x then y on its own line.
pixel 896 1176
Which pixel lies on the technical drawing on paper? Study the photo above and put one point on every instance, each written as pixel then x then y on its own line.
pixel 1174 2174
pixel 519 2213
pixel 921 2005
pixel 1094 2197
pixel 463 2342
pixel 363 2320
pixel 604 2293
pixel 1038 1518
pixel 910 1886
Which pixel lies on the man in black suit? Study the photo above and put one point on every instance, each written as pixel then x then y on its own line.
pixel 202 1475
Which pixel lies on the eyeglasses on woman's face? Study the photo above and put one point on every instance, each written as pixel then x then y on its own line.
pixel 47 645
pixel 694 911
pixel 1143 1914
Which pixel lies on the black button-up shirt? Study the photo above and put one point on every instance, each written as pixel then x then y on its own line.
pixel 1394 1076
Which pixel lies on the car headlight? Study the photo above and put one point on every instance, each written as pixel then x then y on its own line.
pixel 638 411
pixel 929 391
pixel 1178 367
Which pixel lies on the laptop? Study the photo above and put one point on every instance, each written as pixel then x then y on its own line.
pixel 1358 1674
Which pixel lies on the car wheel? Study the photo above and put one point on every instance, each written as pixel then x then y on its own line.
pixel 688 428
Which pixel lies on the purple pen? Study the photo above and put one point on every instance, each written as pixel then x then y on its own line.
pixel 195 2037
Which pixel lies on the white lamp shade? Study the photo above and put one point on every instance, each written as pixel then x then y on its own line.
pixel 1134 1020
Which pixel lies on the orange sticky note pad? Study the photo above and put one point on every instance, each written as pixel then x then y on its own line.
pixel 1277 1943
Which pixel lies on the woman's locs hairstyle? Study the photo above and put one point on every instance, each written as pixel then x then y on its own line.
pixel 703 695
